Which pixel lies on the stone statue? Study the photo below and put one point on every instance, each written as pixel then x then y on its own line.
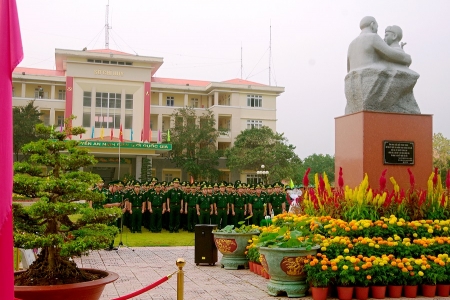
pixel 379 78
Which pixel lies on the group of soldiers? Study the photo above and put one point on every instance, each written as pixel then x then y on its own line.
pixel 181 205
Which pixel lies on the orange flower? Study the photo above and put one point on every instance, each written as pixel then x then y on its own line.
pixel 368 277
pixel 324 267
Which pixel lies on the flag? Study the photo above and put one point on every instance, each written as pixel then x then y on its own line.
pixel 112 134
pixel 142 135
pixel 291 184
pixel 150 136
pixel 102 132
pixel 60 128
pixel 192 180
pixel 11 55
pixel 92 132
pixel 159 136
pixel 168 135
pixel 131 134
pixel 121 134
pixel 51 133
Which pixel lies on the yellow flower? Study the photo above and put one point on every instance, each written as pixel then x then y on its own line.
pixel 346 250
pixel 420 273
pixel 345 267
pixel 323 249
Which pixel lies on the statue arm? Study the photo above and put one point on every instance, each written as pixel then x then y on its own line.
pixel 391 54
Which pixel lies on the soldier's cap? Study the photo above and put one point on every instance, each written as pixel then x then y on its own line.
pixel 276 184
pixel 230 185
pixel 136 183
pixel 183 183
pixel 210 186
pixel 164 183
pixel 221 184
pixel 204 187
pixel 269 186
pixel 237 182
pixel 196 182
pixel 193 185
pixel 258 186
pixel 171 183
pixel 287 187
pixel 216 185
pixel 176 179
pixel 158 184
pixel 239 186
pixel 154 179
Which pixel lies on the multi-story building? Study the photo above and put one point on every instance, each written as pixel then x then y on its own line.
pixel 105 89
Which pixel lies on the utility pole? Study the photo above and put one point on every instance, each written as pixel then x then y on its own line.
pixel 107 27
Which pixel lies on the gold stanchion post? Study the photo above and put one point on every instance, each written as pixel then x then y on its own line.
pixel 180 278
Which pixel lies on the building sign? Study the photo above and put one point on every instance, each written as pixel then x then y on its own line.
pixel 398 153
pixel 128 145
pixel 107 160
pixel 108 72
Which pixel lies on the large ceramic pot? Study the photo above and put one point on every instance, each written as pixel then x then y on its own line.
pixel 89 290
pixel 232 246
pixel 285 267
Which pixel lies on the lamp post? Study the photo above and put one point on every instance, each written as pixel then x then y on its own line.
pixel 264 174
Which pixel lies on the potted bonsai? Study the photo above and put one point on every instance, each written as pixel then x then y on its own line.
pixel 232 243
pixel 58 223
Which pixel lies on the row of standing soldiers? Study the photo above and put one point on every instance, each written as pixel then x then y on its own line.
pixel 157 205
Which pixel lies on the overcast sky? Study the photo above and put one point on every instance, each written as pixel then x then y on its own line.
pixel 202 40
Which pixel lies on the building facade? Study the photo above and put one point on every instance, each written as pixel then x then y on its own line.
pixel 106 89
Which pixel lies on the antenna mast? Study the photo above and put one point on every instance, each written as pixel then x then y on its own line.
pixel 270 48
pixel 241 60
pixel 107 27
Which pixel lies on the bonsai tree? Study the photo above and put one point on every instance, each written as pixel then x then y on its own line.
pixel 58 223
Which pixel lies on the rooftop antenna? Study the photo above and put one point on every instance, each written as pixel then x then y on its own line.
pixel 270 48
pixel 107 27
pixel 241 60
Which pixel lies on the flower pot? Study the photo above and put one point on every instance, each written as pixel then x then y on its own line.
pixel 232 246
pixel 285 268
pixel 443 290
pixel 395 291
pixel 89 290
pixel 250 265
pixel 378 292
pixel 319 293
pixel 428 290
pixel 258 269
pixel 362 292
pixel 265 274
pixel 345 292
pixel 410 291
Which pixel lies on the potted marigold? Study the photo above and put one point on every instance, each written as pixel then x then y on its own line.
pixel 320 273
pixel 432 275
pixel 52 174
pixel 345 279
pixel 443 286
pixel 379 271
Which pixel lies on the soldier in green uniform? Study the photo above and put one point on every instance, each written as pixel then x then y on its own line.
pixel 137 204
pixel 113 200
pixel 204 206
pixel 256 205
pixel 212 192
pixel 175 205
pixel 277 201
pixel 221 206
pixel 239 205
pixel 157 206
pixel 99 188
pixel 190 208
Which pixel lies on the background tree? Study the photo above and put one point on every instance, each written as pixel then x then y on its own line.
pixel 261 146
pixel 193 138
pixel 25 119
pixel 441 153
pixel 318 163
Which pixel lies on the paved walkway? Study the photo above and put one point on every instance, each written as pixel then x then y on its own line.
pixel 139 267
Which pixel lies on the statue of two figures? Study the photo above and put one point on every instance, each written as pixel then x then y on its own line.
pixel 379 78
pixel 294 201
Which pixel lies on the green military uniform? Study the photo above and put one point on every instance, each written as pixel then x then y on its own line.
pixel 191 200
pixel 116 197
pixel 239 201
pixel 222 209
pixel 106 193
pixel 157 200
pixel 136 200
pixel 277 201
pixel 257 202
pixel 175 204
pixel 204 203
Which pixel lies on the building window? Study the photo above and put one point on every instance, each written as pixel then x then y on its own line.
pixel 39 93
pixel 170 101
pixel 254 100
pixel 110 62
pixel 253 178
pixel 62 94
pixel 168 177
pixel 87 120
pixel 254 124
pixel 129 101
pixel 128 121
pixel 194 102
pixel 13 92
pixel 60 121
pixel 87 99
pixel 109 104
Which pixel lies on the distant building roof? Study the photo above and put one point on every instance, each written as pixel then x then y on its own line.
pixel 108 51
pixel 180 81
pixel 43 72
pixel 242 81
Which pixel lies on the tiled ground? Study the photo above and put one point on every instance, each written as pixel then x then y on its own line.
pixel 139 267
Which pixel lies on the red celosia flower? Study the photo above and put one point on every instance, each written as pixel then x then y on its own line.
pixel 412 180
pixel 447 181
pixel 321 184
pixel 383 180
pixel 435 178
pixel 306 179
pixel 443 199
pixel 423 196
pixel 341 179
pixel 399 200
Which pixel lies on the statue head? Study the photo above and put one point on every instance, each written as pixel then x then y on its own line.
pixel 393 34
pixel 369 22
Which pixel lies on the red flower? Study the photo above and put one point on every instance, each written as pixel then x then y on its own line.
pixel 447 181
pixel 306 179
pixel 435 178
pixel 443 199
pixel 341 179
pixel 423 196
pixel 383 180
pixel 412 180
pixel 321 184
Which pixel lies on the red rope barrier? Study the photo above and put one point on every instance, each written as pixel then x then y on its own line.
pixel 143 290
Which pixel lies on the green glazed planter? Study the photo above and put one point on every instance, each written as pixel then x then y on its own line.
pixel 285 267
pixel 232 246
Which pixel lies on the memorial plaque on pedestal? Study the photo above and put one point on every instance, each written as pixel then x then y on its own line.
pixel 398 153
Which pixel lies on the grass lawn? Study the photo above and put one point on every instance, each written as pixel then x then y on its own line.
pixel 150 239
